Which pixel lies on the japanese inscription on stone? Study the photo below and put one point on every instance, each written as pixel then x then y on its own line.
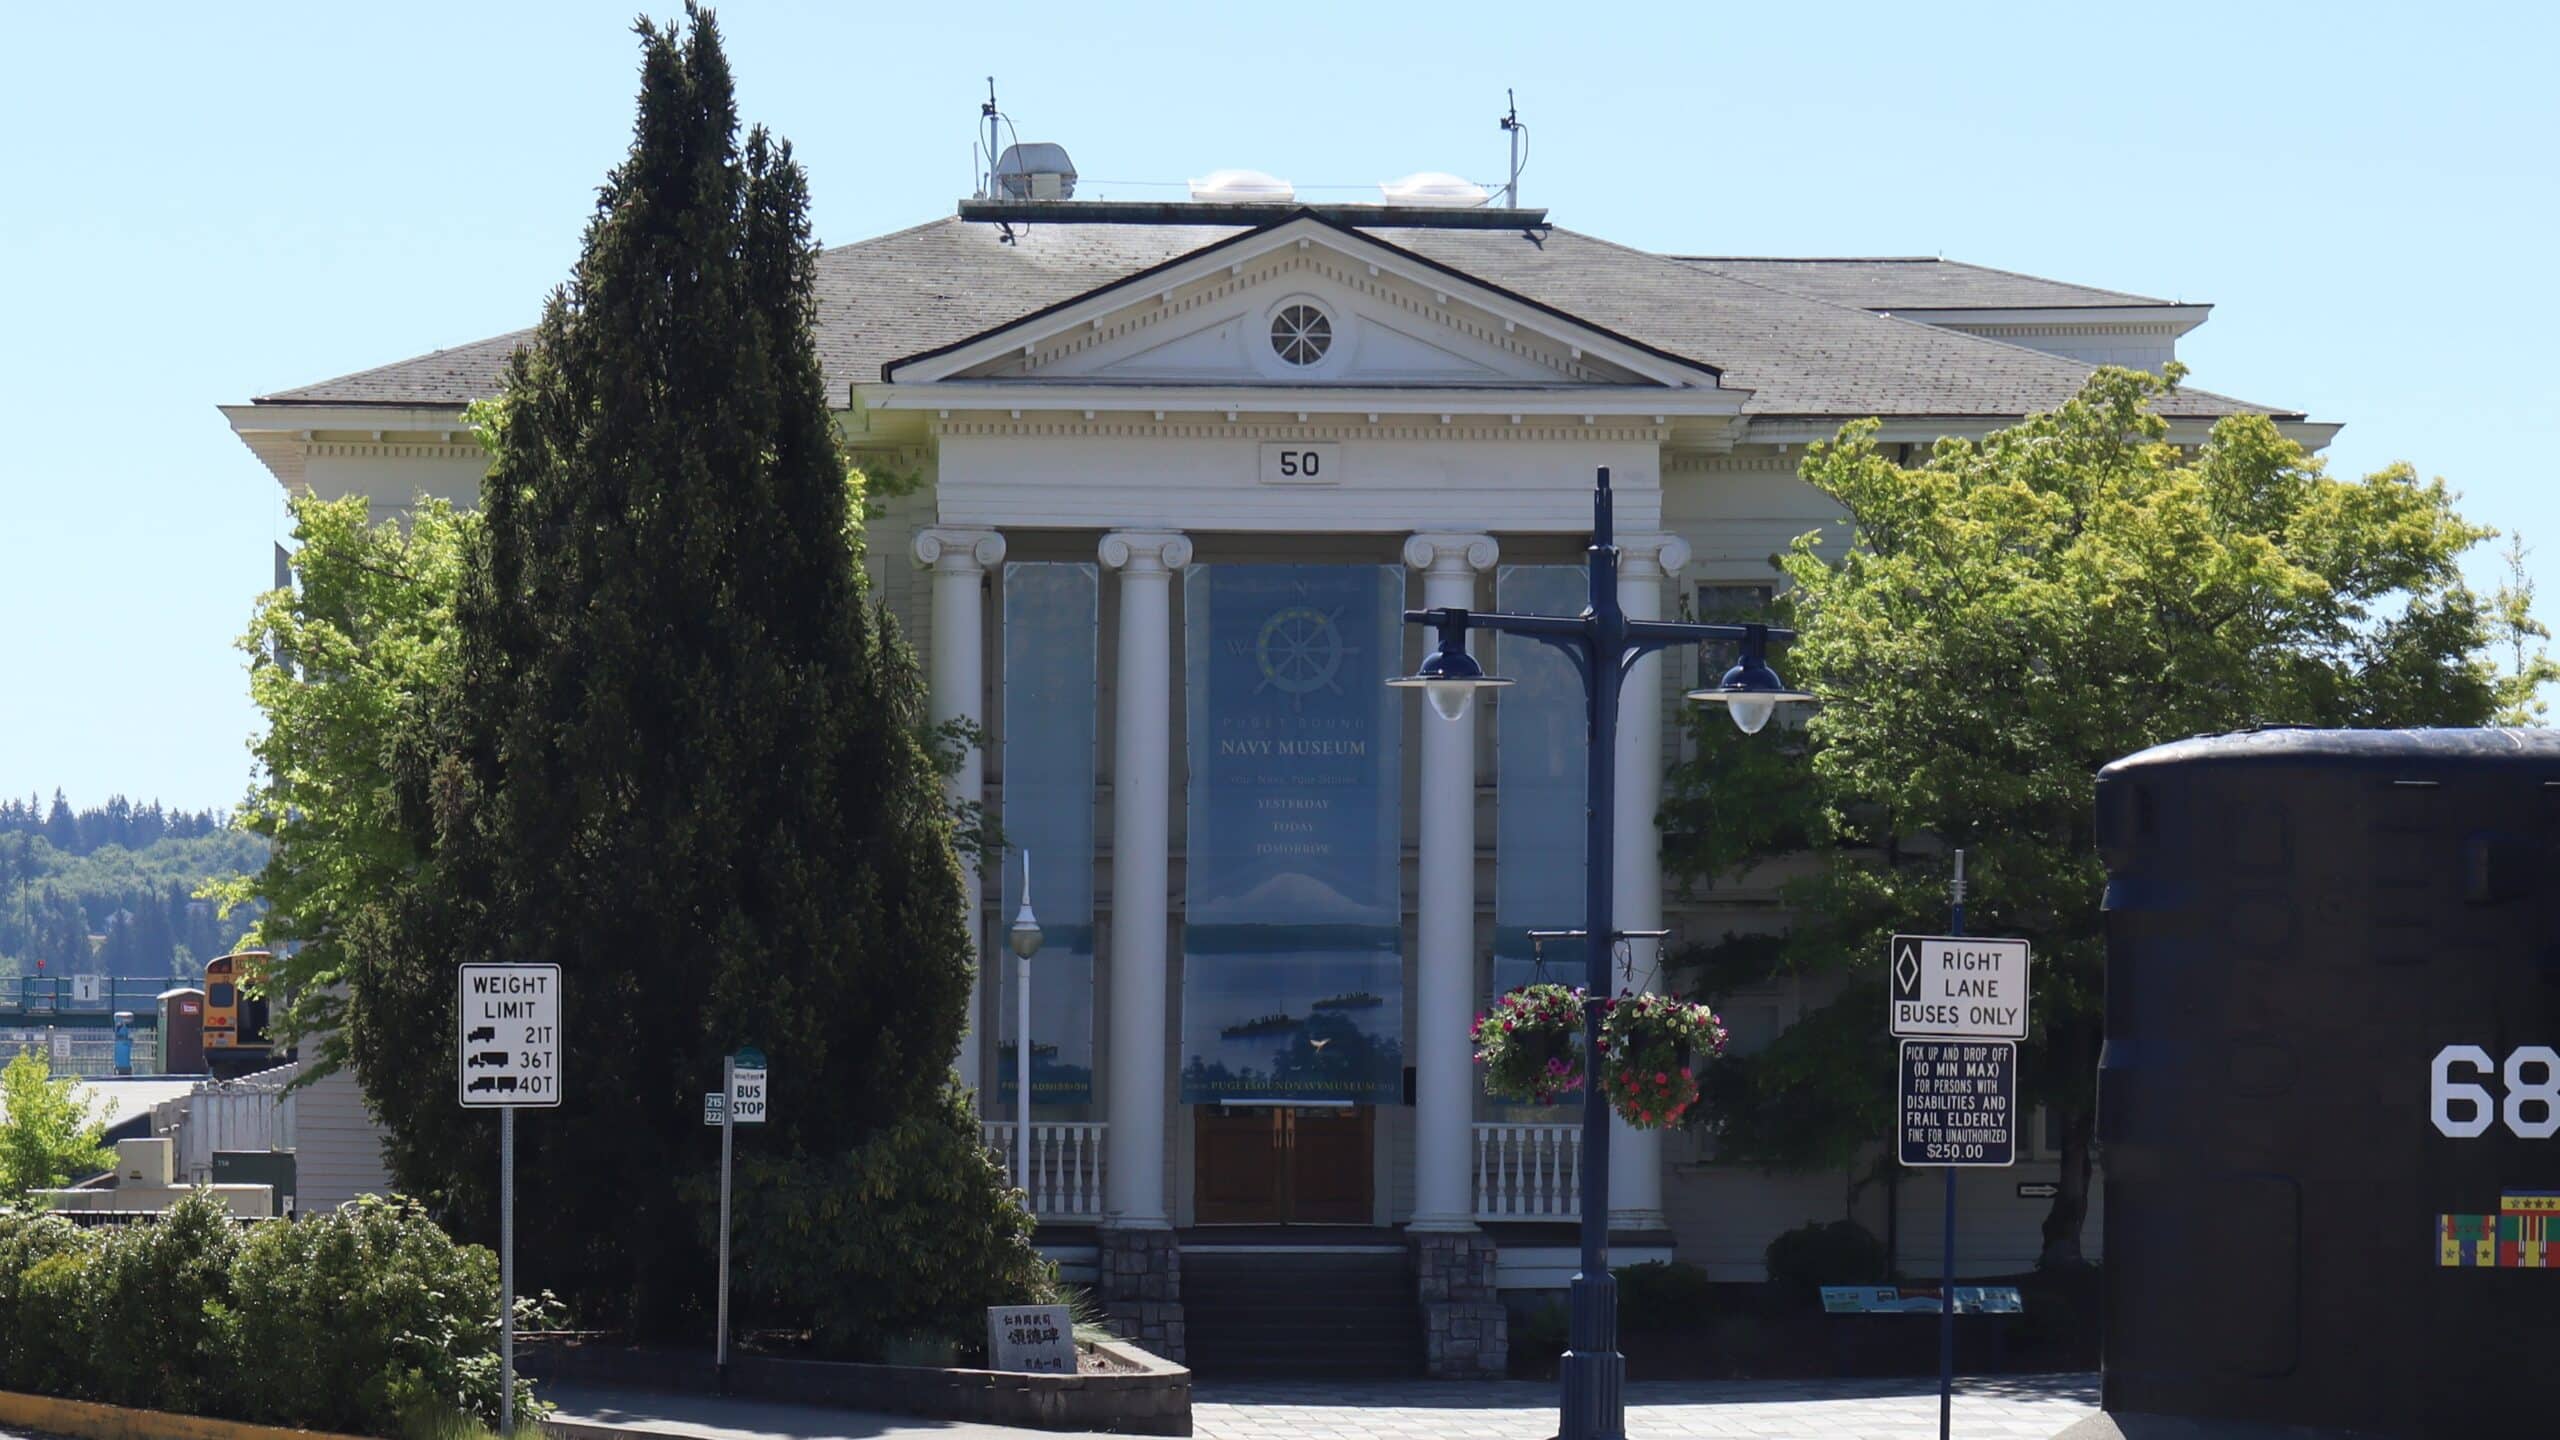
pixel 1039 1339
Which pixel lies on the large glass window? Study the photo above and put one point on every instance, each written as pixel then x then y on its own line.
pixel 1050 707
pixel 1540 757
pixel 1725 602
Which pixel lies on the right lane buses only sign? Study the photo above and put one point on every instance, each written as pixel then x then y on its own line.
pixel 1950 985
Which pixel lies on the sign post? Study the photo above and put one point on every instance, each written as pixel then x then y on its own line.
pixel 742 1102
pixel 507 1058
pixel 1958 1005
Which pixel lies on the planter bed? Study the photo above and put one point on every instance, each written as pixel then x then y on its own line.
pixel 87 1420
pixel 1140 1394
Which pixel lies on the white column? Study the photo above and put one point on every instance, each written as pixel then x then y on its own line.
pixel 1141 820
pixel 959 560
pixel 1644 562
pixel 1444 1081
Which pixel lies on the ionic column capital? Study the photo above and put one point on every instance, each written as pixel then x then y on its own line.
pixel 1651 556
pixel 1437 553
pixel 959 552
pixel 1146 552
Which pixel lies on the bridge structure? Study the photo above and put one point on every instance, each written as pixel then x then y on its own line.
pixel 82 1002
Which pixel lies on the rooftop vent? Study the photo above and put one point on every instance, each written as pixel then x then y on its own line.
pixel 1035 172
pixel 1433 187
pixel 1242 187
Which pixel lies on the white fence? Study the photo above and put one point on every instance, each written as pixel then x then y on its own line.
pixel 76 1051
pixel 1528 1172
pixel 251 1113
pixel 1066 1166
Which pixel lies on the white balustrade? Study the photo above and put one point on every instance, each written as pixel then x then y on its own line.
pixel 1066 1166
pixel 1528 1172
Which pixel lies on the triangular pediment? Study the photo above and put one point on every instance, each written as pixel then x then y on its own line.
pixel 1301 304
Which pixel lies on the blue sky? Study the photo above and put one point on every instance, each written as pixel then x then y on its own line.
pixel 200 204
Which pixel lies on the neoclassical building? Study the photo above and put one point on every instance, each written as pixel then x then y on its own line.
pixel 1179 475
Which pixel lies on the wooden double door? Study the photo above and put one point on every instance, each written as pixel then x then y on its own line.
pixel 1283 1164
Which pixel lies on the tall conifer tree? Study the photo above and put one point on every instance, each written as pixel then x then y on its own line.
pixel 683 757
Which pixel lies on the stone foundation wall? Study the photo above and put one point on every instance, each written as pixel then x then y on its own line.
pixel 1148 1396
pixel 1139 1274
pixel 1466 1334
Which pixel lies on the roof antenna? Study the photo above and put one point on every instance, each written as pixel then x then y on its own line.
pixel 1519 134
pixel 987 112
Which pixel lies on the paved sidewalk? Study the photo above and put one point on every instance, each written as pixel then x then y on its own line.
pixel 591 1412
pixel 2007 1407
pixel 2021 1407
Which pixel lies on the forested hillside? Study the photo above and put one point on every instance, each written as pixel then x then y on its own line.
pixel 112 889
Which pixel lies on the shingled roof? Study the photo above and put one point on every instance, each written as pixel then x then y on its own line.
pixel 1916 282
pixel 948 280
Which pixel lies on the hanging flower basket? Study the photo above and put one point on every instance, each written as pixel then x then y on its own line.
pixel 1530 1044
pixel 1651 1042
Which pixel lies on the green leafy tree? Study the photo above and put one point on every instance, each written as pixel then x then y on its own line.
pixel 680 754
pixel 2527 640
pixel 49 1135
pixel 340 665
pixel 2010 615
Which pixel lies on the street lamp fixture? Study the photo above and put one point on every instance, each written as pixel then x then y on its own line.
pixel 1449 675
pixel 1751 692
pixel 1603 643
pixel 1024 938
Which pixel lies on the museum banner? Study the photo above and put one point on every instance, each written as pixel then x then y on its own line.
pixel 1050 704
pixel 1293 974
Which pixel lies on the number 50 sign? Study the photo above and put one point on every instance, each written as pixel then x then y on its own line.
pixel 2465 1109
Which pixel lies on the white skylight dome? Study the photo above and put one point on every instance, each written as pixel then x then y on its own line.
pixel 1433 187
pixel 1243 187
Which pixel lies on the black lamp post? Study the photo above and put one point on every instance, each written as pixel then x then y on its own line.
pixel 1602 643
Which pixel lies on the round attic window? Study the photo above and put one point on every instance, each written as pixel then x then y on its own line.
pixel 1300 334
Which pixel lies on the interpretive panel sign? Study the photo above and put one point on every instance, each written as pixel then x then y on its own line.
pixel 1293 979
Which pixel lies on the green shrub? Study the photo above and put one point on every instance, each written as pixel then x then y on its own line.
pixel 53 1326
pixel 1539 1329
pixel 898 1246
pixel 1842 1252
pixel 370 1320
pixel 32 1351
pixel 1662 1295
pixel 162 1335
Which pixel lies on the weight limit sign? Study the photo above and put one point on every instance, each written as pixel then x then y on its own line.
pixel 1959 1102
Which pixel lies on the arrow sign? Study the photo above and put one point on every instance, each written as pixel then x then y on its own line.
pixel 1947 985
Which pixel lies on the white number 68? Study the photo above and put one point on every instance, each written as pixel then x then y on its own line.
pixel 2543 1094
